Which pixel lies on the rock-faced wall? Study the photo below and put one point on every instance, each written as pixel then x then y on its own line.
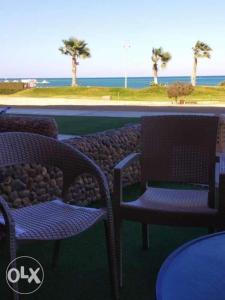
pixel 41 125
pixel 32 183
pixel 106 149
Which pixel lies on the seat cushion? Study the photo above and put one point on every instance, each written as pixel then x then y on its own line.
pixel 172 199
pixel 53 220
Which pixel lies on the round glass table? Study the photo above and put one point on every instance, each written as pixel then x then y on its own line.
pixel 195 271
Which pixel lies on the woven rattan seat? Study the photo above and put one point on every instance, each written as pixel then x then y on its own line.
pixel 53 220
pixel 171 199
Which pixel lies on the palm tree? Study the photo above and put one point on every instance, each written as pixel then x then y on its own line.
pixel 76 49
pixel 158 55
pixel 200 50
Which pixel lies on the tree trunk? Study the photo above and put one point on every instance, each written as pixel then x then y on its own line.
pixel 74 71
pixel 194 72
pixel 155 73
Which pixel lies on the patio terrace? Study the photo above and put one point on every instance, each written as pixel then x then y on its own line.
pixel 82 270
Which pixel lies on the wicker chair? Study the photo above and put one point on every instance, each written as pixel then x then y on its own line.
pixel 54 220
pixel 178 149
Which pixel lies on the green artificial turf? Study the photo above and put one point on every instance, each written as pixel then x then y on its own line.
pixel 82 272
pixel 84 125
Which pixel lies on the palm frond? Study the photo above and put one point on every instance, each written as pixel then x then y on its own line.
pixel 201 49
pixel 75 48
pixel 159 55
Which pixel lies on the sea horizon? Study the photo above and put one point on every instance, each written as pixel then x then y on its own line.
pixel 133 81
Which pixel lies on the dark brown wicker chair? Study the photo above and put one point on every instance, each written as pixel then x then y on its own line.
pixel 178 149
pixel 37 222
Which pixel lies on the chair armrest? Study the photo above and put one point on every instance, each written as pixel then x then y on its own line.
pixel 96 172
pixel 7 216
pixel 118 176
pixel 93 169
pixel 126 162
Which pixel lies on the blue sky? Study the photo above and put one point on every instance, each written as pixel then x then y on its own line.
pixel 31 33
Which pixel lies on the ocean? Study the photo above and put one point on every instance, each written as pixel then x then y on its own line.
pixel 133 82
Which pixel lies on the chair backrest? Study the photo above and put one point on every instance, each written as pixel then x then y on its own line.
pixel 179 148
pixel 23 148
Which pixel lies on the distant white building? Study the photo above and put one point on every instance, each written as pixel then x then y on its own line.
pixel 30 83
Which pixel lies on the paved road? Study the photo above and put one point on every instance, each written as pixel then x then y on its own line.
pixel 91 107
pixel 74 112
pixel 115 111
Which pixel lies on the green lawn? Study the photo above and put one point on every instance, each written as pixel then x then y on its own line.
pixel 201 93
pixel 82 273
pixel 152 93
pixel 84 125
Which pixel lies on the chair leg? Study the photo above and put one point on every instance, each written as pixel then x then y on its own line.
pixel 15 296
pixel 11 253
pixel 111 251
pixel 55 256
pixel 145 236
pixel 119 252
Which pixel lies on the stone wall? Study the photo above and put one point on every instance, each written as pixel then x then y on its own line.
pixel 28 184
pixel 106 149
pixel 41 125
pixel 32 183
